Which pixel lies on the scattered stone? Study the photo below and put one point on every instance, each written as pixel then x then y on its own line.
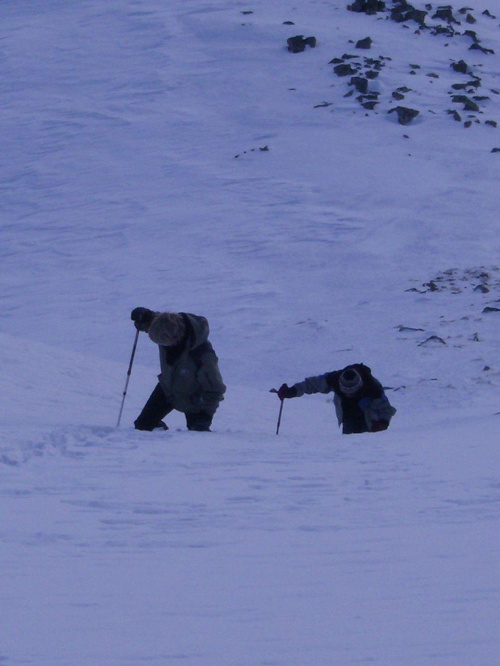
pixel 402 328
pixel 487 13
pixel 365 43
pixel 455 114
pixel 492 123
pixel 489 308
pixel 298 44
pixel 360 83
pixel 461 86
pixel 374 63
pixel 478 47
pixel 405 115
pixel 398 96
pixel 472 35
pixel 403 12
pixel 432 340
pixel 367 6
pixel 495 150
pixel 344 70
pixel 445 14
pixel 461 67
pixel 469 105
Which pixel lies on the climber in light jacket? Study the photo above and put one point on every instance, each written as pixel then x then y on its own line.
pixel 360 401
pixel 190 380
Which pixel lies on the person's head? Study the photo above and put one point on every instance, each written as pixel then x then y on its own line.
pixel 350 381
pixel 167 329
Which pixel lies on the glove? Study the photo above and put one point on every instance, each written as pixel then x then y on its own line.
pixel 378 426
pixel 286 391
pixel 142 318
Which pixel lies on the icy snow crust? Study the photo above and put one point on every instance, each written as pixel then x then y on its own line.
pixel 177 156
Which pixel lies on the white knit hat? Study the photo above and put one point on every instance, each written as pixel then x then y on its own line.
pixel 167 329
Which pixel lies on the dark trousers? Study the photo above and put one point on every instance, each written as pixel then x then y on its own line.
pixel 157 407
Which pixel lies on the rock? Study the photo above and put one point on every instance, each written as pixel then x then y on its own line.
pixel 344 70
pixel 402 328
pixel 432 340
pixel 469 105
pixel 461 67
pixel 446 14
pixel 405 115
pixel 360 83
pixel 298 44
pixel 406 12
pixel 477 47
pixel 367 6
pixel 472 35
pixel 365 43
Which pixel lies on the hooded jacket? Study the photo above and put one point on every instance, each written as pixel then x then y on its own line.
pixel 356 413
pixel 190 375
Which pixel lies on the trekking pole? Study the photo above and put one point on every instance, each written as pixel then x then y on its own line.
pixel 128 377
pixel 280 412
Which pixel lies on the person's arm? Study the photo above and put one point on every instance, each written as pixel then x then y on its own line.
pixel 211 383
pixel 317 384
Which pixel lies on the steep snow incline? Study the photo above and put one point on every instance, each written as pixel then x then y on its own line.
pixel 177 156
pixel 246 549
pixel 122 185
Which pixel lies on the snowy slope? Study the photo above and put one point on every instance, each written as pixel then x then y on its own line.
pixel 178 156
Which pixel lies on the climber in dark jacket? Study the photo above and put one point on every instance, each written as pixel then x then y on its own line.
pixel 360 402
pixel 190 379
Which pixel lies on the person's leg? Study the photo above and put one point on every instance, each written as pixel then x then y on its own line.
pixel 201 421
pixel 153 411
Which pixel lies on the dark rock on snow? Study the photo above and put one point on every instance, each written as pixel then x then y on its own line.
pixel 405 115
pixel 298 43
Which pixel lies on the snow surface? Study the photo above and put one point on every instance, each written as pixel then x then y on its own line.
pixel 176 155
